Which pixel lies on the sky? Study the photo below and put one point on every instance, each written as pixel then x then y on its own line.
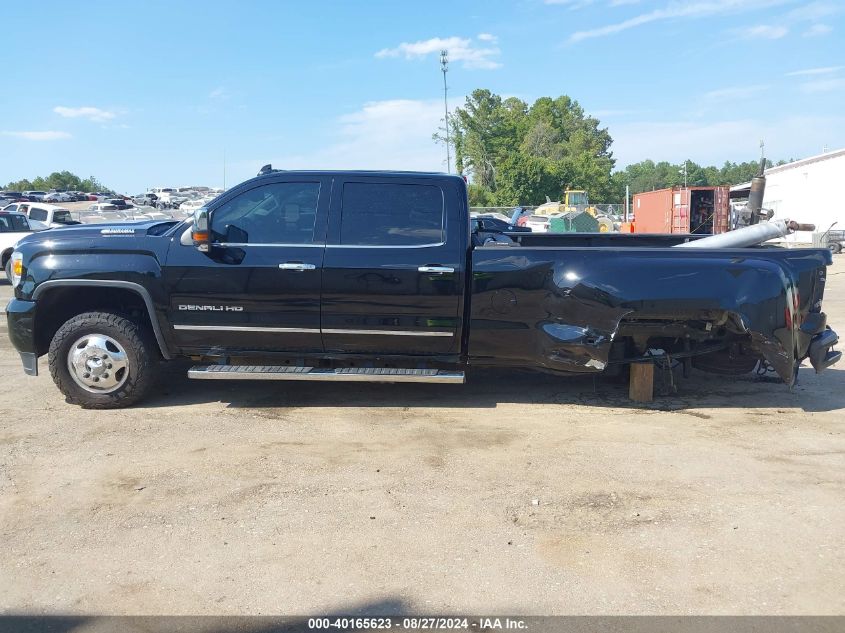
pixel 188 93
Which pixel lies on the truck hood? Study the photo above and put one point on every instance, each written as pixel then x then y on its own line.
pixel 116 231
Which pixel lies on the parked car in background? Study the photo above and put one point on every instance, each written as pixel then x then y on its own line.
pixel 46 216
pixel 57 196
pixel 835 241
pixel 7 197
pixel 190 206
pixel 162 196
pixel 537 223
pixel 487 224
pixel 100 207
pixel 120 203
pixel 35 196
pixel 13 226
pixel 145 199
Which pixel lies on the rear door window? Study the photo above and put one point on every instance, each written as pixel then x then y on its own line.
pixel 385 214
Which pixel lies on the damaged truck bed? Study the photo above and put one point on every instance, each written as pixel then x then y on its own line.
pixel 383 276
pixel 587 303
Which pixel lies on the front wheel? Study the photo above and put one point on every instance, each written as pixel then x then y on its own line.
pixel 9 269
pixel 100 360
pixel 835 247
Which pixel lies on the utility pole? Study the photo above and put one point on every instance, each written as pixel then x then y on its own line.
pixel 444 66
pixel 684 170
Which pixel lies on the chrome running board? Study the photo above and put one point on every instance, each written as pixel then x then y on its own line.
pixel 348 374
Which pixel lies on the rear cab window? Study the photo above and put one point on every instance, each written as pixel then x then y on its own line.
pixel 62 216
pixel 37 214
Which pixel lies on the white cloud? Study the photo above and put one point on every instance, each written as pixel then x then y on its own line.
pixel 393 134
pixel 580 4
pixel 823 85
pixel 825 70
pixel 460 50
pixel 572 4
pixel 46 135
pixel 85 112
pixel 218 93
pixel 677 10
pixel 763 32
pixel 487 37
pixel 817 30
pixel 713 143
pixel 735 93
pixel 815 11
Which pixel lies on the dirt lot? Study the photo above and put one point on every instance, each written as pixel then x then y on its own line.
pixel 513 494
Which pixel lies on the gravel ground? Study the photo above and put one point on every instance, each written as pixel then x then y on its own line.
pixel 516 493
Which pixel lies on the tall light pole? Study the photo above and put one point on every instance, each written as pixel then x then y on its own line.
pixel 444 66
pixel 684 172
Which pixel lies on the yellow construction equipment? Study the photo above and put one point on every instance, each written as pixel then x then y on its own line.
pixel 574 201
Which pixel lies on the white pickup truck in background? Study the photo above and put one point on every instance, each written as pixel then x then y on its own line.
pixel 13 227
pixel 42 216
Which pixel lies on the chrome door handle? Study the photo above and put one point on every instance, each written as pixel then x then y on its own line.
pixel 297 266
pixel 439 270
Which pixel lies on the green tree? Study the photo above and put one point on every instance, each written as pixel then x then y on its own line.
pixel 520 154
pixel 57 180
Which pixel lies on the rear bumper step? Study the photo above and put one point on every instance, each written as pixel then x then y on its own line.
pixel 820 352
pixel 353 374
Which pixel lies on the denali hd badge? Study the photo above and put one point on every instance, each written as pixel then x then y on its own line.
pixel 212 308
pixel 117 232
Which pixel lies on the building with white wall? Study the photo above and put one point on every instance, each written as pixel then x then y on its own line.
pixel 808 190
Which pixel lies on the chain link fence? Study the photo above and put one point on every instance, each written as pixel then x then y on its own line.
pixel 615 211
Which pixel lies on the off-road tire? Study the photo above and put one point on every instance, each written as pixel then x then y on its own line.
pixel 141 351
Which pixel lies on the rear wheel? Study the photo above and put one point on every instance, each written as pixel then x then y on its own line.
pixel 100 360
pixel 835 247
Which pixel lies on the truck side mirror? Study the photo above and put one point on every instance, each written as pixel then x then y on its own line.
pixel 199 231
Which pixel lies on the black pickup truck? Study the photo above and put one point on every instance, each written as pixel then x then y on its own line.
pixel 381 276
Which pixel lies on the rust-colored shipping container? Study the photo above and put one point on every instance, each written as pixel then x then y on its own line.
pixel 682 210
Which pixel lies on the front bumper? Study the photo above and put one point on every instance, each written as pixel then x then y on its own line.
pixel 20 316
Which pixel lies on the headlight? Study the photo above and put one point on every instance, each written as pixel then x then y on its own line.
pixel 17 268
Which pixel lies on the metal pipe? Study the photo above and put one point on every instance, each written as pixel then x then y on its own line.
pixel 627 198
pixel 755 198
pixel 749 236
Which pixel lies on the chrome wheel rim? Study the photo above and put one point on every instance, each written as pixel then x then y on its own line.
pixel 98 363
